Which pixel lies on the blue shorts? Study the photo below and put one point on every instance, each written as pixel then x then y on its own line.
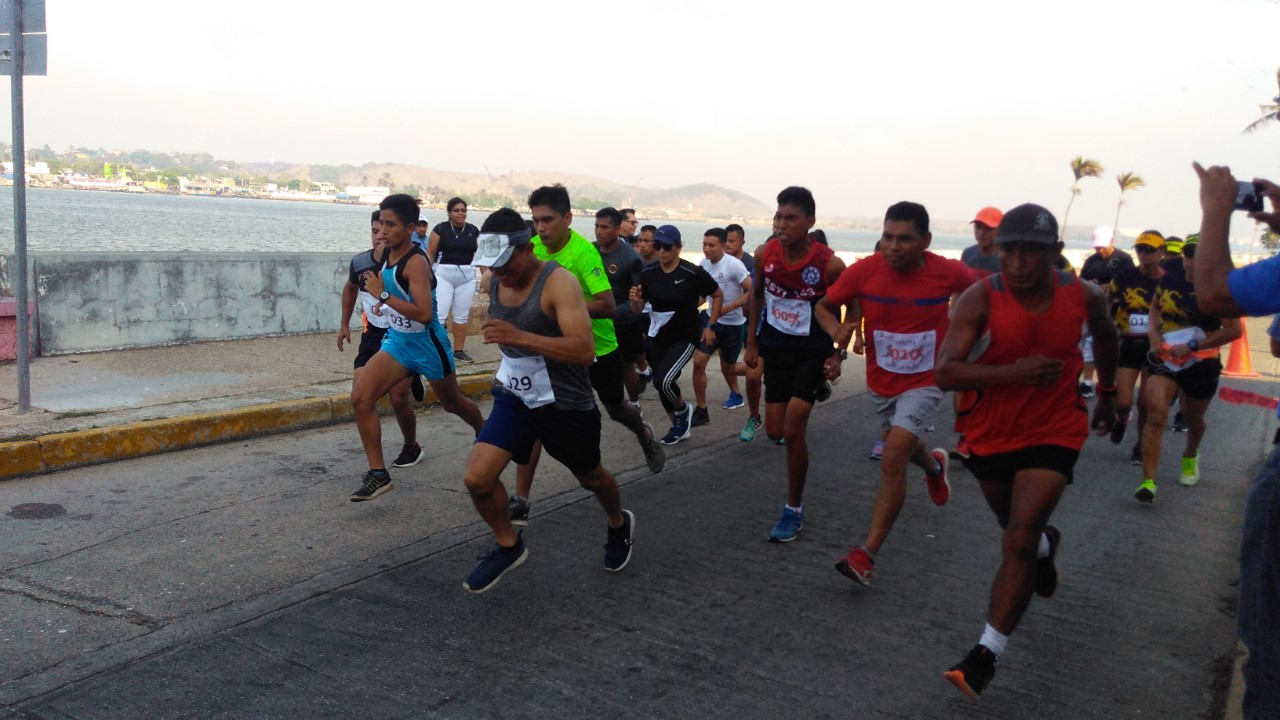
pixel 426 353
pixel 570 436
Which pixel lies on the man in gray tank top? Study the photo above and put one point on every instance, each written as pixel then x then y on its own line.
pixel 538 318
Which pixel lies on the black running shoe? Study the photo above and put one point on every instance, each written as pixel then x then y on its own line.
pixel 700 417
pixel 974 672
pixel 494 564
pixel 411 455
pixel 416 388
pixel 1135 457
pixel 1047 567
pixel 617 548
pixel 518 510
pixel 1117 430
pixel 374 483
pixel 1179 422
pixel 823 393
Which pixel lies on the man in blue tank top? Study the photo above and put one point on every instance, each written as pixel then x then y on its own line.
pixel 415 342
pixel 538 318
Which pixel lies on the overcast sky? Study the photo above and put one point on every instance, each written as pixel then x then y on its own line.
pixel 953 104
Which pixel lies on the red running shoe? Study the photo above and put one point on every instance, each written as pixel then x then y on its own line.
pixel 857 565
pixel 939 488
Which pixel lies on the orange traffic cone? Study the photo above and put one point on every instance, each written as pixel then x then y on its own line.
pixel 1239 364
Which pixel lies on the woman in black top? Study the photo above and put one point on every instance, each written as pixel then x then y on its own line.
pixel 451 246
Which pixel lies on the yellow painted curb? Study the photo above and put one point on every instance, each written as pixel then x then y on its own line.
pixel 61 451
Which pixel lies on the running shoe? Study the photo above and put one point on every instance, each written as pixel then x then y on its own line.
pixel 1086 390
pixel 409 456
pixel 1179 422
pixel 374 483
pixel 415 387
pixel 750 429
pixel 877 450
pixel 961 452
pixel 1117 430
pixel 788 526
pixel 700 417
pixel 823 393
pixel 617 548
pixel 1190 470
pixel 494 564
pixel 462 357
pixel 654 456
pixel 974 672
pixel 518 510
pixel 680 430
pixel 1135 457
pixel 1047 567
pixel 857 565
pixel 1146 492
pixel 734 402
pixel 939 488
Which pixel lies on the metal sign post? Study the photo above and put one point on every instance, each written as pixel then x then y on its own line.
pixel 23 50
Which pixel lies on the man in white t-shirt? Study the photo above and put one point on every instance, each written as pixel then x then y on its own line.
pixel 725 332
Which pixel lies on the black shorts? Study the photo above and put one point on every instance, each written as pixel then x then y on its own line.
pixel 570 436
pixel 370 344
pixel 1198 382
pixel 607 374
pixel 729 339
pixel 630 340
pixel 1133 352
pixel 793 374
pixel 1003 466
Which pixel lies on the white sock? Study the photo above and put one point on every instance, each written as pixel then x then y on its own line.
pixel 1043 552
pixel 796 510
pixel 993 641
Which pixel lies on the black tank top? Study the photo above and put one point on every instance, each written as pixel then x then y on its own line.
pixel 456 247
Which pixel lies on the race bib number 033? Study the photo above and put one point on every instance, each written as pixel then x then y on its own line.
pixel 905 353
pixel 527 378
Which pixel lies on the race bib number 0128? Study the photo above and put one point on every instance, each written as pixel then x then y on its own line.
pixel 905 353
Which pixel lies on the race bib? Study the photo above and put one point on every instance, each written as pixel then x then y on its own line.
pixel 400 323
pixel 1138 324
pixel 905 353
pixel 527 378
pixel 790 316
pixel 657 320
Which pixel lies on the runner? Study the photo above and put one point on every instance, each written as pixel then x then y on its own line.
pixel 673 289
pixel 415 343
pixel 983 258
pixel 1026 423
pixel 725 332
pixel 556 240
pixel 1130 293
pixel 904 292
pixel 1173 254
pixel 735 240
pixel 622 265
pixel 1100 268
pixel 373 328
pixel 627 227
pixel 794 273
pixel 538 318
pixel 450 247
pixel 1184 364
pixel 648 255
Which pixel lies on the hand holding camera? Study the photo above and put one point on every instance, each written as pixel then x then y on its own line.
pixel 1221 192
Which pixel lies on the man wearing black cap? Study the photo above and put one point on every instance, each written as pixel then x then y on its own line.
pixel 538 318
pixel 1026 423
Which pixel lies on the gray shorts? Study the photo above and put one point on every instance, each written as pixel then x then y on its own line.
pixel 912 410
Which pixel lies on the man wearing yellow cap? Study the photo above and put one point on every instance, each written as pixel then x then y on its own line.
pixel 1131 292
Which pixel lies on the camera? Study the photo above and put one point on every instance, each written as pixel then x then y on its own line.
pixel 1249 197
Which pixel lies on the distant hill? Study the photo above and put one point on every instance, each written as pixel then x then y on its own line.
pixel 700 200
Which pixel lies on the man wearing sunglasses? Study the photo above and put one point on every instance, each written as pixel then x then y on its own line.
pixel 1131 291
pixel 1100 268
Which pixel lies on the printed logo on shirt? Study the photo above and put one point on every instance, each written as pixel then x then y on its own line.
pixel 613 269
pixel 811 276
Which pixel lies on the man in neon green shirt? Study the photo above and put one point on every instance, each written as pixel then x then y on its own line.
pixel 556 240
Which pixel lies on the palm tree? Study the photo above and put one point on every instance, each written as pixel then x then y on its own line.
pixel 1127 181
pixel 1081 168
pixel 1270 112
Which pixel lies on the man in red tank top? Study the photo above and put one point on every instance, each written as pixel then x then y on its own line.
pixel 904 292
pixel 1025 420
pixel 792 275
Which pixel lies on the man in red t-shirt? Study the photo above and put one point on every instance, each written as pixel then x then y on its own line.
pixel 904 291
pixel 1014 338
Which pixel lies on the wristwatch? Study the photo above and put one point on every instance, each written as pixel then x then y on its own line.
pixel 383 297
pixel 843 354
pixel 1194 345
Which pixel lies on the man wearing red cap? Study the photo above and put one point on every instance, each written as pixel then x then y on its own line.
pixel 983 257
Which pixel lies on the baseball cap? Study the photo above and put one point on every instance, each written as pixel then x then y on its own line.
pixel 495 249
pixel 1173 244
pixel 1028 223
pixel 422 218
pixel 989 216
pixel 667 235
pixel 1150 238
pixel 1103 235
pixel 1192 239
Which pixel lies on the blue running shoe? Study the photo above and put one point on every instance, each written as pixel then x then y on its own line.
pixel 494 564
pixel 788 526
pixel 734 402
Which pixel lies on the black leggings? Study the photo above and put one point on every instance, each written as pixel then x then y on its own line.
pixel 667 361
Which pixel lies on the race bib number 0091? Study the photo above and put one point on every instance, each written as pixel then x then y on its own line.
pixel 527 378
pixel 905 353
pixel 791 316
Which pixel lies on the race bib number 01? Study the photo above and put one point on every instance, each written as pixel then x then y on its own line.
pixel 527 378
pixel 1138 323
pixel 905 353
pixel 791 316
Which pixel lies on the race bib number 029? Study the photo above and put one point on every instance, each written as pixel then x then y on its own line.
pixel 527 378
pixel 790 316
pixel 905 353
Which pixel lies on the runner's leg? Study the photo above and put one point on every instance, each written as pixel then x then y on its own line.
pixel 406 418
pixel 1034 496
pixel 376 379
pixel 794 431
pixel 900 447
pixel 700 360
pixel 454 402
pixel 1159 389
pixel 484 466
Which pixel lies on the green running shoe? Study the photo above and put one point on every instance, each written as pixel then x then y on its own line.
pixel 1146 492
pixel 1190 470
pixel 750 429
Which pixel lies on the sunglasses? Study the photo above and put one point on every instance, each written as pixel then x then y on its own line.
pixel 1189 251
pixel 664 246
pixel 1144 249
